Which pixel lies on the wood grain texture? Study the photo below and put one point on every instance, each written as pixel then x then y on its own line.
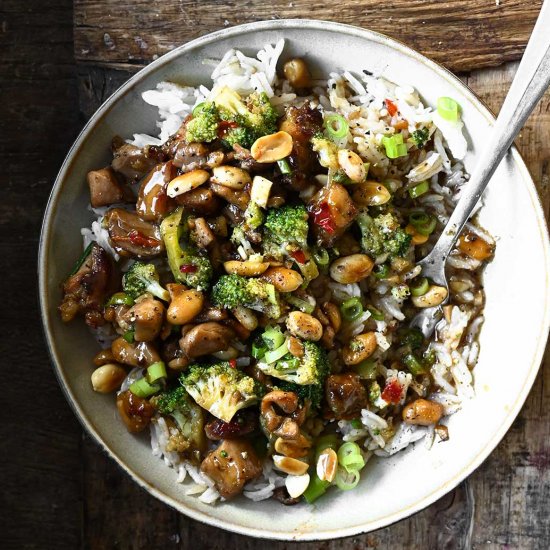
pixel 461 34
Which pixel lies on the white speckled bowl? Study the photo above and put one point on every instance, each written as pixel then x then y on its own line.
pixel 512 340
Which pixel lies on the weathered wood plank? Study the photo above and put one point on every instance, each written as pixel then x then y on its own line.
pixel 461 34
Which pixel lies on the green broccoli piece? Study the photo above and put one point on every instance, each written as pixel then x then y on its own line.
pixel 382 235
pixel 287 224
pixel 420 137
pixel 254 117
pixel 253 216
pixel 233 290
pixel 188 266
pixel 311 368
pixel 187 415
pixel 313 393
pixel 221 389
pixel 203 127
pixel 141 278
pixel 327 151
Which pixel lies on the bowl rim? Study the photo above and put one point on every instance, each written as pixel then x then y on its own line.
pixel 281 25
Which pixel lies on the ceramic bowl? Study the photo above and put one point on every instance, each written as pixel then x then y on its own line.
pixel 512 340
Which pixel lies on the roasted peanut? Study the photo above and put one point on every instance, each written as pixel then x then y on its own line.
pixel 351 269
pixel 246 268
pixel 436 295
pixel 283 279
pixel 327 463
pixel 475 247
pixel 289 465
pixel 108 378
pixel 246 317
pixel 272 148
pixel 297 73
pixel 295 347
pixel 286 427
pixel 231 176
pixel 103 357
pixel 296 485
pixel 185 304
pixel 333 313
pixel 359 348
pixel 186 182
pixel 370 193
pixel 352 164
pixel 296 447
pixel 422 412
pixel 304 326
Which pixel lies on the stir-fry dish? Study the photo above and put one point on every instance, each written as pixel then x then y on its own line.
pixel 253 273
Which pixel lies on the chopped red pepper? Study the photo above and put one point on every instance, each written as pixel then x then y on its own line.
pixel 323 217
pixel 299 256
pixel 137 238
pixel 224 126
pixel 188 268
pixel 233 363
pixel 391 107
pixel 392 392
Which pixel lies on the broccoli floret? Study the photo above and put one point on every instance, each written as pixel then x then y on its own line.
pixel 141 278
pixel 221 389
pixel 311 368
pixel 188 417
pixel 254 117
pixel 312 392
pixel 188 266
pixel 420 137
pixel 253 216
pixel 327 151
pixel 383 235
pixel 287 224
pixel 204 124
pixel 233 290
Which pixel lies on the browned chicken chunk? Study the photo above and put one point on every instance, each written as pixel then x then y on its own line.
pixel 105 189
pixel 153 203
pixel 231 466
pixel 345 395
pixel 205 339
pixel 132 162
pixel 135 412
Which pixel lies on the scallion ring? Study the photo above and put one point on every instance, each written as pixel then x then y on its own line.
pixel 351 309
pixel 129 336
pixel 350 457
pixel 422 222
pixel 376 314
pixel 199 108
pixel 447 109
pixel 367 369
pixel 142 388
pixel 336 126
pixel 321 256
pixel 276 354
pixel 284 166
pixel 381 271
pixel 346 480
pixel 156 371
pixel 413 364
pixel 419 189
pixel 419 287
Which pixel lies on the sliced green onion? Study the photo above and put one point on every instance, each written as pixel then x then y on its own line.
pixel 419 287
pixel 413 364
pixel 376 314
pixel 156 371
pixel 350 457
pixel 422 222
pixel 351 309
pixel 381 271
pixel 356 423
pixel 284 166
pixel 81 259
pixel 199 108
pixel 412 337
pixel 289 364
pixel 367 168
pixel 258 351
pixel 142 388
pixel 129 336
pixel 394 145
pixel 447 109
pixel 273 337
pixel 120 299
pixel 336 126
pixel 276 354
pixel 327 441
pixel 346 480
pixel 321 256
pixel 367 369
pixel 315 489
pixel 302 305
pixel 419 189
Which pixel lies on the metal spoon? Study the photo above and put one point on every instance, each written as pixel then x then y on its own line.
pixel 531 81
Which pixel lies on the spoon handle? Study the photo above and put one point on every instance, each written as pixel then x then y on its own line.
pixel 530 82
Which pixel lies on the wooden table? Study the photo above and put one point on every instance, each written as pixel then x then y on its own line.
pixel 59 62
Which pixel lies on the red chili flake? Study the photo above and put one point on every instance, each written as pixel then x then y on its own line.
pixel 139 239
pixel 224 126
pixel 233 363
pixel 188 268
pixel 391 107
pixel 392 392
pixel 323 217
pixel 299 256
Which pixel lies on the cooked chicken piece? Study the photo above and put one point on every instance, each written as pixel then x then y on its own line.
pixel 132 162
pixel 205 339
pixel 345 395
pixel 201 201
pixel 105 189
pixel 231 466
pixel 153 203
pixel 147 316
pixel 134 411
pixel 86 290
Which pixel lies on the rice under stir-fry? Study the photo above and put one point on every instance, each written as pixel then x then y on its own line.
pixel 254 301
